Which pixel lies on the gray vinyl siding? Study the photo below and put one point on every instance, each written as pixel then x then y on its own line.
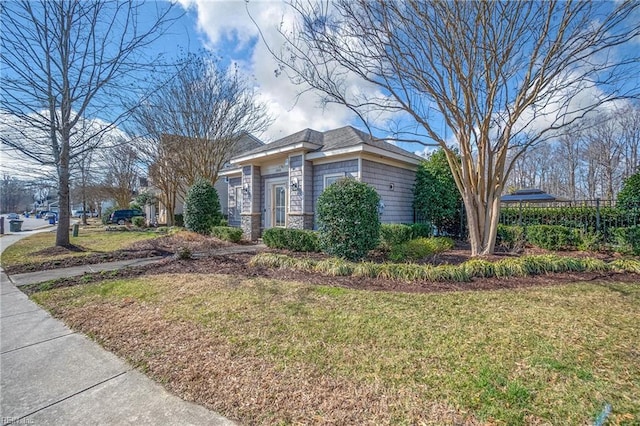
pixel 307 187
pixel 398 202
pixel 295 172
pixel 251 177
pixel 233 203
pixel 349 167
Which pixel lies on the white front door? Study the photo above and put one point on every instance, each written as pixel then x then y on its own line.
pixel 275 204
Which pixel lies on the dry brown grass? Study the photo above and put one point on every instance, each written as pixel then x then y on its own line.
pixel 273 352
pixel 191 362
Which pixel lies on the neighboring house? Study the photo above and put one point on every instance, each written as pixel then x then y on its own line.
pixel 278 184
pixel 245 143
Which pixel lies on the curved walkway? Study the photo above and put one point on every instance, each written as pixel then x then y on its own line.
pixel 50 374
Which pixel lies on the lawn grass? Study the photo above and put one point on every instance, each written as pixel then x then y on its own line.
pixel 549 355
pixel 36 248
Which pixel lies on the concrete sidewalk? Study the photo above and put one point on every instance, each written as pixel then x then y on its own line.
pixel 52 375
pixel 40 276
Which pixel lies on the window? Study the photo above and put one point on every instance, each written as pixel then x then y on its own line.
pixel 280 205
pixel 332 178
pixel 235 213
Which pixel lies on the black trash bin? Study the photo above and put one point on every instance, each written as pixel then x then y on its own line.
pixel 15 225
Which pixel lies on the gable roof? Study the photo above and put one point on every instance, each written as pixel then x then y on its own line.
pixel 319 144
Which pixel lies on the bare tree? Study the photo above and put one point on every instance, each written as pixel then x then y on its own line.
pixel 207 109
pixel 13 195
pixel 606 149
pixel 570 153
pixel 122 173
pixel 491 71
pixel 83 177
pixel 630 138
pixel 65 62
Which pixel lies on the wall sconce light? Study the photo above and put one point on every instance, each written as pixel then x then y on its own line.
pixel 294 184
pixel 245 189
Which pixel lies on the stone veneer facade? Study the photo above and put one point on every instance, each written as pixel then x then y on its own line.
pixel 300 221
pixel 250 224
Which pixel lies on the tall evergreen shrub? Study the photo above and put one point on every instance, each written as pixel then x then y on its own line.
pixel 348 222
pixel 629 195
pixel 436 197
pixel 202 207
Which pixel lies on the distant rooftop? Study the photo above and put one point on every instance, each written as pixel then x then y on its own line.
pixel 529 195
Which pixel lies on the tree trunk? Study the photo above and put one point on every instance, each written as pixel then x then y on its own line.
pixel 482 222
pixel 62 233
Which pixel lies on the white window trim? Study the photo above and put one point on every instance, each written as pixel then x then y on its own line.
pixel 330 176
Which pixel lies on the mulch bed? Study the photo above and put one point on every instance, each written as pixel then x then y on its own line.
pixel 238 265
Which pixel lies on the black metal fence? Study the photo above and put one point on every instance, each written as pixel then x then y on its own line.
pixel 600 216
pixel 593 216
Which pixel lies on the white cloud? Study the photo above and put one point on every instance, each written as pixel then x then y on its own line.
pixel 224 20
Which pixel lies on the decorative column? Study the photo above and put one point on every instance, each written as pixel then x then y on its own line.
pixel 251 215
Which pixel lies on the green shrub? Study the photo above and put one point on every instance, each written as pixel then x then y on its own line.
pixel 348 221
pixel 420 248
pixel 436 196
pixel 552 237
pixel 291 239
pixel 394 234
pixel 590 241
pixel 421 230
pixel 178 219
pixel 227 233
pixel 627 240
pixel 106 214
pixel 510 237
pixel 629 195
pixel 138 221
pixel 202 207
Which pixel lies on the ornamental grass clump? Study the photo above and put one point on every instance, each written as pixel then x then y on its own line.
pixel 478 268
pixel 270 260
pixel 348 221
pixel 626 265
pixel 510 268
pixel 366 269
pixel 334 267
pixel 454 273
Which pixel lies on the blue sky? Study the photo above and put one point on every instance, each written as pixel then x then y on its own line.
pixel 225 28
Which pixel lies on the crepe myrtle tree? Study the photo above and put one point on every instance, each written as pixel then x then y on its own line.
pixel 497 77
